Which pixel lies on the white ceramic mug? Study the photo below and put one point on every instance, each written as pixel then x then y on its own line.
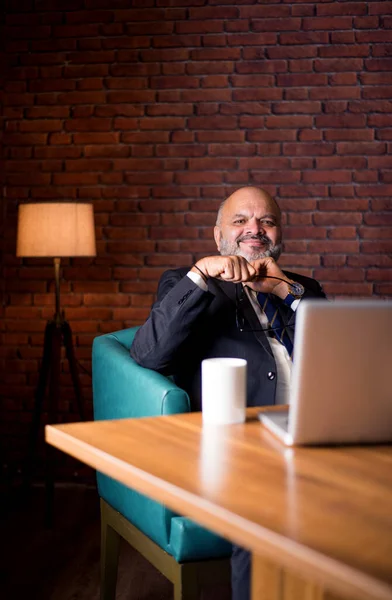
pixel 223 390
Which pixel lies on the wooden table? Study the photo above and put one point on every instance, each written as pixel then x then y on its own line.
pixel 318 520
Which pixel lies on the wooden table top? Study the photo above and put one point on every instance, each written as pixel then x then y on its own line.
pixel 325 513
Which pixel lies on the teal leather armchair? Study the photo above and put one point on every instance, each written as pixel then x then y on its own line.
pixel 187 554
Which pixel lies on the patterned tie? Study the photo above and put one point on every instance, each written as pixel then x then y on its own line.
pixel 269 307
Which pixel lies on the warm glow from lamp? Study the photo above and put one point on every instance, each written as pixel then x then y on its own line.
pixel 56 229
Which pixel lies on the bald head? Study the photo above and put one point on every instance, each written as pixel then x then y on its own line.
pixel 246 194
pixel 248 225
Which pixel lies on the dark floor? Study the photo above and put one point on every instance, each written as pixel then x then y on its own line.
pixel 62 563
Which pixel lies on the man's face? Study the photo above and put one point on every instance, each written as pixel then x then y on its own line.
pixel 249 227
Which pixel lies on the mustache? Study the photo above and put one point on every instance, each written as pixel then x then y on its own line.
pixel 258 237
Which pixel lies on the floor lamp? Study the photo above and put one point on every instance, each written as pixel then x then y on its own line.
pixel 55 230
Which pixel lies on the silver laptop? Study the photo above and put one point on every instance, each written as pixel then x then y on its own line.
pixel 341 386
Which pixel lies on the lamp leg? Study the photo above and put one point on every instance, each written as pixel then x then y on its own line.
pixel 54 390
pixel 38 401
pixel 69 349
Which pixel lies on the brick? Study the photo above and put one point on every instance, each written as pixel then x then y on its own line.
pixel 251 39
pixel 310 135
pixel 153 137
pixel 174 82
pixel 346 274
pixel 211 164
pixel 137 96
pixel 279 122
pixel 257 66
pixel 130 41
pixel 282 24
pixel 343 79
pixel 96 138
pixel 326 23
pixel 216 54
pixel 214 12
pixel 376 247
pixel 347 8
pixel 237 26
pixel 376 233
pixel 124 83
pixel 149 178
pixel 378 64
pixel 301 65
pixel 366 176
pixel 366 22
pixel 380 8
pixel 379 275
pixel 209 177
pixel 381 162
pixel 162 55
pixel 377 92
pixel 284 52
pixel 91 124
pixel 381 50
pixel 75 178
pixel 189 27
pixel 348 289
pixel 361 148
pixel 176 41
pixel 349 134
pixel 340 121
pixel 304 37
pixel 334 176
pixel 302 79
pixel 334 246
pixel 134 69
pixel 257 94
pixel 328 65
pixel 300 191
pixel 328 93
pixel 370 260
pixel 344 205
pixel 220 136
pixel 82 58
pixel 252 80
pixel 81 71
pixel 374 190
pixel 307 149
pixel 41 125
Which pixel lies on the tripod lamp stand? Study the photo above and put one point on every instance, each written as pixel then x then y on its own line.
pixel 55 230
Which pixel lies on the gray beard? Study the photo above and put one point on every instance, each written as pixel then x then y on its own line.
pixel 233 249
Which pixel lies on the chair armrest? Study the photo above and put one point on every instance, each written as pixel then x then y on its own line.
pixel 124 389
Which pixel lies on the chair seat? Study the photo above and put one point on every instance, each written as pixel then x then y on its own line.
pixel 179 536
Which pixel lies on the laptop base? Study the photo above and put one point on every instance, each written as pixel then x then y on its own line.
pixel 278 424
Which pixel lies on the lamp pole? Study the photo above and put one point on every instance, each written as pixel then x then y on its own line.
pixel 57 316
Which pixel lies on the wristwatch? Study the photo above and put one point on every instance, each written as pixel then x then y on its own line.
pixel 296 291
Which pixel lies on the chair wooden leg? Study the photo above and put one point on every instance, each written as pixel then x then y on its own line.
pixel 186 584
pixel 110 548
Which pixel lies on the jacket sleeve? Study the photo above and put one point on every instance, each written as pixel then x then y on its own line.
pixel 180 303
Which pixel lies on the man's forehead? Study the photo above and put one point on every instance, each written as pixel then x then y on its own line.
pixel 249 205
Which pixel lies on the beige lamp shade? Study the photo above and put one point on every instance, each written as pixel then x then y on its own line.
pixel 56 229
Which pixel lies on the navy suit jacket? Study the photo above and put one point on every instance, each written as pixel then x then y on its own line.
pixel 187 325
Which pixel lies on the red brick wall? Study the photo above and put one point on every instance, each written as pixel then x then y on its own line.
pixel 156 113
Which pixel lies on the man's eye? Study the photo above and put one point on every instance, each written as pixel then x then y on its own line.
pixel 268 223
pixel 239 221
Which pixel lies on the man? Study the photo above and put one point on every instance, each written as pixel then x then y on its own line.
pixel 237 304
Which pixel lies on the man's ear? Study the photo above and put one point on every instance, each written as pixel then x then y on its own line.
pixel 217 236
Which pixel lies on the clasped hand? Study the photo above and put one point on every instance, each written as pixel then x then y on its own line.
pixel 237 269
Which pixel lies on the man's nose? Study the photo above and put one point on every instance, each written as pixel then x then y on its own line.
pixel 255 227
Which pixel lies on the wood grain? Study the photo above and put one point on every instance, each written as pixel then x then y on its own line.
pixel 324 513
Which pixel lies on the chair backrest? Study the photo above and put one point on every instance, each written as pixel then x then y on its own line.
pixel 123 389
